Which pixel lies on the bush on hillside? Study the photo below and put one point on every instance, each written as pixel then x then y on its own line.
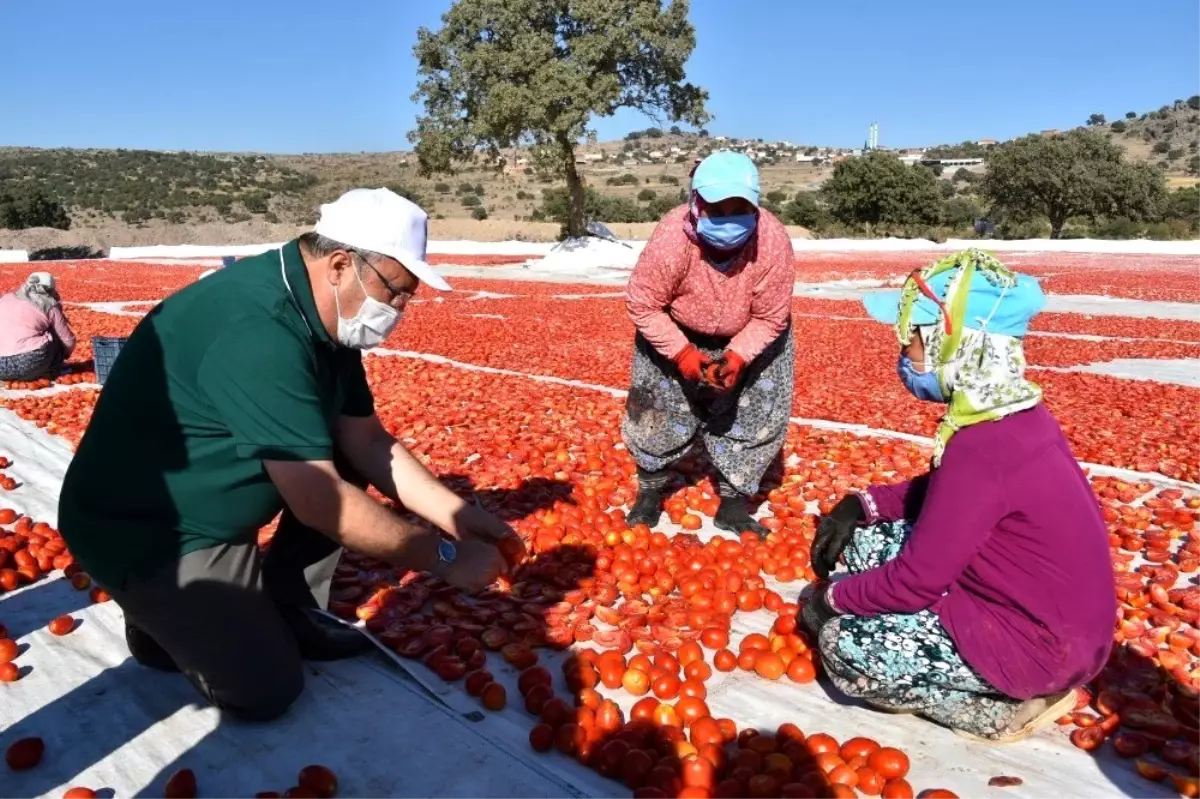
pixel 33 210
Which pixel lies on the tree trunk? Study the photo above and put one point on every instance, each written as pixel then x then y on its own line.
pixel 576 218
pixel 1056 226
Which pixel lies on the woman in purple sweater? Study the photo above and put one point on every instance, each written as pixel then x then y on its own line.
pixel 982 593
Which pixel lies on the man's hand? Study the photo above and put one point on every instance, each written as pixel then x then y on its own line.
pixel 476 566
pixel 473 522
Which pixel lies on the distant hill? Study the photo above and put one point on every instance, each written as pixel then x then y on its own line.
pixel 138 187
pixel 1169 137
pixel 108 189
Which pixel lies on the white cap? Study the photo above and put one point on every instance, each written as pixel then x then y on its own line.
pixel 379 220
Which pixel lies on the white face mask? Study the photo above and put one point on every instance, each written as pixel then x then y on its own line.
pixel 368 328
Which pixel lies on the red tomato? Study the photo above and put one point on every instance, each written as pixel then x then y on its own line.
pixel 541 738
pixel 181 785
pixel 494 697
pixel 897 788
pixel 62 625
pixel 714 637
pixel 801 670
pixel 24 753
pixel 318 779
pixel 888 762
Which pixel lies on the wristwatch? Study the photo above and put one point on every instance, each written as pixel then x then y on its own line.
pixel 447 553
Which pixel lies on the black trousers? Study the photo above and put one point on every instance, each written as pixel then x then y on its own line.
pixel 217 613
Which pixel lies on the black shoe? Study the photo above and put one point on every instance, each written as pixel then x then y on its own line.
pixel 647 508
pixel 146 650
pixel 733 517
pixel 321 638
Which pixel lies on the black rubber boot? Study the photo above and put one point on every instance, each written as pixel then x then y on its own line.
pixel 322 638
pixel 146 650
pixel 647 508
pixel 733 516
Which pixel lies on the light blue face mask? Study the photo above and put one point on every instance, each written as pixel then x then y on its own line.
pixel 922 385
pixel 726 232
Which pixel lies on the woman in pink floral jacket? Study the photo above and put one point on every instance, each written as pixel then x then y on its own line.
pixel 713 356
pixel 35 337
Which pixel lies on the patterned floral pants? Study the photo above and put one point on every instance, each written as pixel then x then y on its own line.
pixel 907 663
pixel 45 361
pixel 742 430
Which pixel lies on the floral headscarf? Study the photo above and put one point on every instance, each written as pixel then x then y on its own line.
pixel 982 373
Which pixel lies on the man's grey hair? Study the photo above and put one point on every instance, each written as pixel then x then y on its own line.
pixel 40 296
pixel 321 246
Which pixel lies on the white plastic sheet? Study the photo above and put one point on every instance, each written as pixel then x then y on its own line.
pixel 535 248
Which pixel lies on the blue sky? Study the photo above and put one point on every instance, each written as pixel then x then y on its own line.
pixel 297 76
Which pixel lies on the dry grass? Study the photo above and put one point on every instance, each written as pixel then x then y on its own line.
pixel 337 173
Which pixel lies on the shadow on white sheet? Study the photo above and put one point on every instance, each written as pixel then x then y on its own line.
pixel 110 723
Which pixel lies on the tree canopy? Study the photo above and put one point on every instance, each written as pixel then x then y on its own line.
pixel 504 73
pixel 880 190
pixel 33 210
pixel 1079 173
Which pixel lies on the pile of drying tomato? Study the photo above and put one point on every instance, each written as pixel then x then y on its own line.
pixel 29 550
pixel 65 413
pixel 1108 274
pixel 1137 425
pixel 630 599
pixel 1146 702
pixel 651 618
pixel 109 281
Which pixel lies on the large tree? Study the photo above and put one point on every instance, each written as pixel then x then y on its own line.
pixel 506 73
pixel 33 210
pixel 1080 173
pixel 879 192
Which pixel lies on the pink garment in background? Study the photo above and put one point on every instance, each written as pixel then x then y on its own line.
pixel 24 327
pixel 673 285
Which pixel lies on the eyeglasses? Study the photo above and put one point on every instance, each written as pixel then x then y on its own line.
pixel 400 297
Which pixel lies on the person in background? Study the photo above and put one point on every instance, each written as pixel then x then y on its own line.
pixel 35 337
pixel 711 297
pixel 243 396
pixel 980 594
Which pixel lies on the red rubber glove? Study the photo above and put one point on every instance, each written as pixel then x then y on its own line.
pixel 691 363
pixel 730 371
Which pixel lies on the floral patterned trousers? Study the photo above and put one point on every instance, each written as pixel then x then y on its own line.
pixel 742 430
pixel 907 663
pixel 45 361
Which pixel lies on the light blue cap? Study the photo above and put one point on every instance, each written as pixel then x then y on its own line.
pixel 726 174
pixel 1008 315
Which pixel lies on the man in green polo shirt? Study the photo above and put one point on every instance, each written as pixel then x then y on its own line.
pixel 241 396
